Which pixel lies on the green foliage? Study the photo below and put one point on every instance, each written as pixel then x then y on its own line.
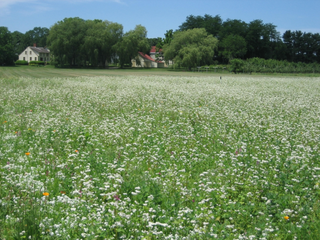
pixel 99 41
pixel 36 63
pixel 191 48
pixel 233 46
pixel 302 47
pixel 95 43
pixel 258 38
pixel 154 41
pixel 18 44
pixel 37 35
pixel 236 65
pixel 6 47
pixel 260 65
pixel 131 43
pixel 211 24
pixel 162 41
pixel 66 41
pixel 21 62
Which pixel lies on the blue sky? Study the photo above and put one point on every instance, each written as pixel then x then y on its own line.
pixel 159 16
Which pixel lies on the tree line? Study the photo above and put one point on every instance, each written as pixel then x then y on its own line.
pixel 12 44
pixel 200 40
pixel 238 39
pixel 78 42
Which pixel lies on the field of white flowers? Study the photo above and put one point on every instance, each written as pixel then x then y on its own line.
pixel 160 157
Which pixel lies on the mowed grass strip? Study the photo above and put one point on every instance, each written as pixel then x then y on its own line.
pixel 51 71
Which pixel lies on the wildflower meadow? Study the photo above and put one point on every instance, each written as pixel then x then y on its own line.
pixel 160 157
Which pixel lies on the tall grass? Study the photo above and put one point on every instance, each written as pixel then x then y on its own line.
pixel 159 157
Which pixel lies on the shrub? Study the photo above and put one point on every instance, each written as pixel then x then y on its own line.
pixel 21 62
pixel 36 63
pixel 236 65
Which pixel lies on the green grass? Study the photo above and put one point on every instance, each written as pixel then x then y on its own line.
pixel 51 72
pixel 155 154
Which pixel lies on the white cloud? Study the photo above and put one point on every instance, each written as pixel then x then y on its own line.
pixel 6 4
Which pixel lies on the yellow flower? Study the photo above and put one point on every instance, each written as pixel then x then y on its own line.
pixel 27 153
pixel 76 151
pixel 45 194
pixel 286 217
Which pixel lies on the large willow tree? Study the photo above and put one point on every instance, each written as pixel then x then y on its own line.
pixel 191 48
pixel 77 42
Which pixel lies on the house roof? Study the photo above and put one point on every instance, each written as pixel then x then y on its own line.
pixel 146 56
pixel 40 49
pixel 154 49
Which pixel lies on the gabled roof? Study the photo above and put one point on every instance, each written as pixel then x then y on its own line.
pixel 40 49
pixel 154 49
pixel 146 56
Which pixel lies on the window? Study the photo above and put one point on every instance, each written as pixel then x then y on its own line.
pixel 24 58
pixel 30 58
pixel 35 59
pixel 25 52
pixel 30 52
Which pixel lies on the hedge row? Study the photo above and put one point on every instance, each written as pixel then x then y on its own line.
pixel 21 62
pixel 261 65
pixel 36 63
pixel 31 63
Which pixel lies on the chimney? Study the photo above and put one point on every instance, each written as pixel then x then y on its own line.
pixel 34 45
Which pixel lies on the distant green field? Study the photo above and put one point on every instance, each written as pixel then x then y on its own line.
pixel 51 71
pixel 157 154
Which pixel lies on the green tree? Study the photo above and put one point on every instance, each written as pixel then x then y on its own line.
pixel 66 41
pixel 259 39
pixel 100 39
pixel 233 27
pixel 211 24
pixel 17 41
pixel 131 43
pixel 162 41
pixel 37 35
pixel 154 41
pixel 167 40
pixel 6 47
pixel 233 46
pixel 302 47
pixel 191 48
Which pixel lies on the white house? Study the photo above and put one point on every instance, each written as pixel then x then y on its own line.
pixel 35 54
pixel 144 60
pixel 150 61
